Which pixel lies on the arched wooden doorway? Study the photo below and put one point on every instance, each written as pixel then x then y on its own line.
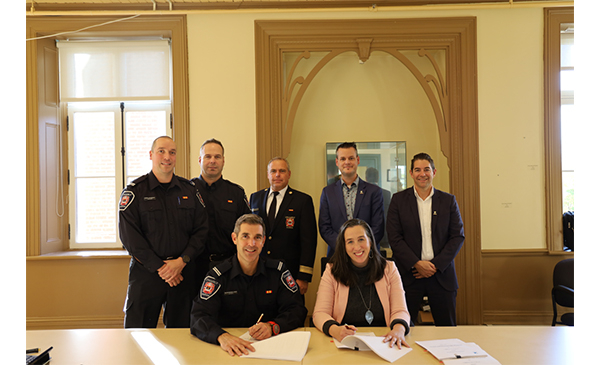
pixel 453 99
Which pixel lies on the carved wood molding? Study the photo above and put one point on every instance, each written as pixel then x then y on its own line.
pixel 199 5
pixel 453 98
pixel 553 17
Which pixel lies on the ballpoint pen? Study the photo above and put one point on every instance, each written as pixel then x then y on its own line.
pixel 259 318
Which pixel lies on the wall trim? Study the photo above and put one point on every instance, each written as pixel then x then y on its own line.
pixel 530 318
pixel 55 323
pixel 525 252
pixel 553 17
pixel 253 5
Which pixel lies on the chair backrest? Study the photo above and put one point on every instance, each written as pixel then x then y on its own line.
pixel 564 273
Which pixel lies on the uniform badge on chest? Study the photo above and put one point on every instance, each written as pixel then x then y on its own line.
pixel 289 222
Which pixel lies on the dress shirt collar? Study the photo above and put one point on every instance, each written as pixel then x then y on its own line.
pixel 281 192
pixel 428 196
pixel 355 182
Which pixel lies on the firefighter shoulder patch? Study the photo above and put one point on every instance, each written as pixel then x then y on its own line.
pixel 126 198
pixel 210 287
pixel 289 281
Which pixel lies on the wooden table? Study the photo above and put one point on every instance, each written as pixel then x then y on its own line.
pixel 507 344
pixel 525 345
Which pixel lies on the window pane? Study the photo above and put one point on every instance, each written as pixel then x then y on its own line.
pixel 94 136
pixel 96 210
pixel 568 182
pixel 568 136
pixel 567 80
pixel 142 127
pixel 567 43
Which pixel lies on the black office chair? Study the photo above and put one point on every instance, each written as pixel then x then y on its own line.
pixel 563 291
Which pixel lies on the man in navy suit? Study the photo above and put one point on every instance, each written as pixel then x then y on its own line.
pixel 289 216
pixel 349 197
pixel 425 231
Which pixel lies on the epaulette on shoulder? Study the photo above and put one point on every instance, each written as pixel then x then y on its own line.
pixel 183 179
pixel 234 184
pixel 222 268
pixel 275 264
pixel 138 180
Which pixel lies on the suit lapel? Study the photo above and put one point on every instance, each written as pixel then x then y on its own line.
pixel 263 208
pixel 360 194
pixel 435 206
pixel 284 207
pixel 414 212
pixel 337 191
pixel 414 209
pixel 263 204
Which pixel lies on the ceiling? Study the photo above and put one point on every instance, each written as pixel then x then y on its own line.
pixel 189 5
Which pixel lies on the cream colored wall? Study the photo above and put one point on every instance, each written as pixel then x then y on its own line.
pixel 222 105
pixel 368 107
pixel 511 129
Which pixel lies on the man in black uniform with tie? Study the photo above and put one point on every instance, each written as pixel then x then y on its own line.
pixel 163 226
pixel 225 202
pixel 247 291
pixel 291 224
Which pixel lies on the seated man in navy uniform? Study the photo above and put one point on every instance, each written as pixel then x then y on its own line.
pixel 245 289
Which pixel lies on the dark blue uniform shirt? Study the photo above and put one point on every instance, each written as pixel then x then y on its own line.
pixel 158 223
pixel 230 298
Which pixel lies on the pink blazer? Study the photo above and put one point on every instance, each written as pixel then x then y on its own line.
pixel 332 297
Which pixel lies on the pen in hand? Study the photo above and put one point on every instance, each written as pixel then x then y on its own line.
pixel 259 332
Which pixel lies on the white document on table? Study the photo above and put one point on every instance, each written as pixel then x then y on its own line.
pixel 289 346
pixel 364 347
pixel 376 345
pixel 487 360
pixel 455 351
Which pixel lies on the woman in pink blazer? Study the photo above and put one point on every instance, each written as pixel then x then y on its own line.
pixel 362 288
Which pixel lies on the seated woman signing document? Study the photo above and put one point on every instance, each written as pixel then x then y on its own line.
pixel 360 288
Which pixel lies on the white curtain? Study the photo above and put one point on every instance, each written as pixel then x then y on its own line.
pixel 115 70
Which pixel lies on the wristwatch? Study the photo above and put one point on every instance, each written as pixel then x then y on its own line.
pixel 274 328
pixel 186 259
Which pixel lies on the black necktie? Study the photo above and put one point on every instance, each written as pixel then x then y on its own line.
pixel 273 208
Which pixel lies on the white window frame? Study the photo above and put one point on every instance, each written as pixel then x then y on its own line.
pixel 113 107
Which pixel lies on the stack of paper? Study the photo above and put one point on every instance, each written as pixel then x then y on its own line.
pixel 370 342
pixel 457 352
pixel 290 346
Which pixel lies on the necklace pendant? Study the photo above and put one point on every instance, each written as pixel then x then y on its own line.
pixel 369 316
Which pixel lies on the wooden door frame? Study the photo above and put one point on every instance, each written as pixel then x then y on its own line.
pixel 457 123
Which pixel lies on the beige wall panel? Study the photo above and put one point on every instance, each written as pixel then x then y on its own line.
pixel 517 287
pixel 75 290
